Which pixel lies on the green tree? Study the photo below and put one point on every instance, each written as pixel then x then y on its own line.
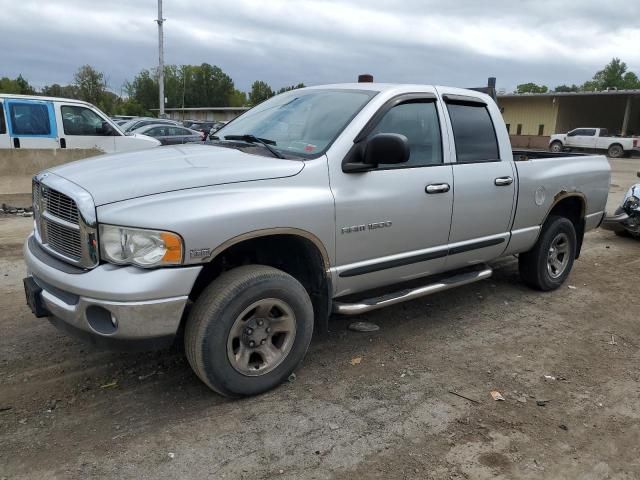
pixel 57 90
pixel 531 88
pixel 90 84
pixel 18 85
pixel 614 75
pixel 567 88
pixel 292 87
pixel 238 99
pixel 260 91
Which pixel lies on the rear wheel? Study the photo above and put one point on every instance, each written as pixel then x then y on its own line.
pixel 248 330
pixel 615 151
pixel 547 265
pixel 556 147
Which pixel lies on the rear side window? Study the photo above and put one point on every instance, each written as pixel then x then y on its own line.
pixel 473 133
pixel 3 125
pixel 29 119
pixel 418 121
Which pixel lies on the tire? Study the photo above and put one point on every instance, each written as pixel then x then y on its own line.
pixel 556 147
pixel 234 312
pixel 536 269
pixel 615 151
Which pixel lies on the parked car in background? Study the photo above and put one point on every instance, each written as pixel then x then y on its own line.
pixel 595 140
pixel 344 199
pixel 48 122
pixel 136 123
pixel 204 127
pixel 626 219
pixel 171 134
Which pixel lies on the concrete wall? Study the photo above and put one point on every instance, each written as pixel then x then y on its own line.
pixel 530 112
pixel 28 162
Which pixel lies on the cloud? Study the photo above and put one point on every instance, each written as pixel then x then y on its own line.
pixel 324 41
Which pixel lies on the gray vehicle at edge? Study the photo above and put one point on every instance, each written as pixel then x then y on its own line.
pixel 333 199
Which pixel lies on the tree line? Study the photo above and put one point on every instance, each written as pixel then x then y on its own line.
pixel 207 85
pixel 614 75
pixel 184 86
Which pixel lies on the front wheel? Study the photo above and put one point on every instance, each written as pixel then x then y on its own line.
pixel 548 264
pixel 556 147
pixel 248 330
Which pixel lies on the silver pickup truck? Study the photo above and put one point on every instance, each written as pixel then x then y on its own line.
pixel 333 199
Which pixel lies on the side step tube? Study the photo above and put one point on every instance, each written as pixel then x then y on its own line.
pixel 410 294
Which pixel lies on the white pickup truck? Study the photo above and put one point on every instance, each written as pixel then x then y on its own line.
pixel 594 139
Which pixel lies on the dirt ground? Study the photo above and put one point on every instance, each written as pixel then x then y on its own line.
pixel 69 411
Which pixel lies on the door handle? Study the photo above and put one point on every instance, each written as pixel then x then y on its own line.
pixel 437 188
pixel 16 142
pixel 503 181
pixel 63 143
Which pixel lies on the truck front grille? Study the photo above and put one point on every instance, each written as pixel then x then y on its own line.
pixel 60 226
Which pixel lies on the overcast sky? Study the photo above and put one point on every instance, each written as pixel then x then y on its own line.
pixel 451 42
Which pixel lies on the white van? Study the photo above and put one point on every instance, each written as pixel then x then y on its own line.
pixel 47 122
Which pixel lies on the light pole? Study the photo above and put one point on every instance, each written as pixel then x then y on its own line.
pixel 160 21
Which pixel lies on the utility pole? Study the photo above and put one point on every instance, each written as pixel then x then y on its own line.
pixel 160 21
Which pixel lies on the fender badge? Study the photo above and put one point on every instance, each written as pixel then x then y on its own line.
pixel 200 252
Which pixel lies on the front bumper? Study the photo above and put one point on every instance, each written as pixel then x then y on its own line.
pixel 112 305
pixel 616 222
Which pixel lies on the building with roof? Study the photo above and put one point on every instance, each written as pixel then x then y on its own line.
pixel 220 114
pixel 532 117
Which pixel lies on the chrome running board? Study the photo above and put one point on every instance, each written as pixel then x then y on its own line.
pixel 410 294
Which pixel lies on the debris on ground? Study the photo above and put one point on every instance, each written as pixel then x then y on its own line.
pixel 356 360
pixel 542 403
pixel 5 409
pixel 363 327
pixel 292 378
pixel 563 427
pixel 334 426
pixel 549 377
pixel 18 211
pixel 572 287
pixel 172 455
pixel 110 385
pixel 143 377
pixel 613 341
pixel 497 396
pixel 462 396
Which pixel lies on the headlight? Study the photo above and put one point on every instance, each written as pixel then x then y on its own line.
pixel 145 248
pixel 632 203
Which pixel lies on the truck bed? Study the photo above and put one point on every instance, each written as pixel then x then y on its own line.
pixel 524 155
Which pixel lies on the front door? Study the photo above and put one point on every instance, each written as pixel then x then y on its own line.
pixel 83 127
pixel 393 222
pixel 5 141
pixel 485 184
pixel 31 123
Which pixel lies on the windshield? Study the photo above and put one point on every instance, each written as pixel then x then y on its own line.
pixel 302 122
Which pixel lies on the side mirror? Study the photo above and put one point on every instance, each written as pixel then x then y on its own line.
pixel 382 148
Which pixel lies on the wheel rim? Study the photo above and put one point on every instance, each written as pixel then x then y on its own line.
pixel 555 147
pixel 615 151
pixel 558 256
pixel 261 337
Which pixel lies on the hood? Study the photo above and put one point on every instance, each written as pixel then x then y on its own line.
pixel 122 176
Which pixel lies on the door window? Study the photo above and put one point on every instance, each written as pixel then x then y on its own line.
pixel 473 133
pixel 3 126
pixel 418 121
pixel 177 131
pixel 30 119
pixel 83 121
pixel 588 132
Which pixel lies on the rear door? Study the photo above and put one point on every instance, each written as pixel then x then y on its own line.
pixel 31 123
pixel 5 142
pixel 82 127
pixel 484 179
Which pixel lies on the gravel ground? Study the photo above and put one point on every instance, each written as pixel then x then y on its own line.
pixel 69 411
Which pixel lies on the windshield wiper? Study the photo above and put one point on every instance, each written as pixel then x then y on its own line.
pixel 253 139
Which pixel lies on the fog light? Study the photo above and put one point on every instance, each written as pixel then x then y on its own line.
pixel 101 320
